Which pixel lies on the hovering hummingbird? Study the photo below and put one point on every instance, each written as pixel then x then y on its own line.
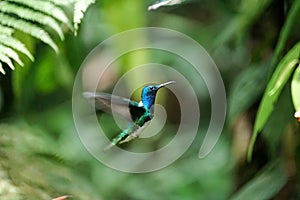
pixel 139 113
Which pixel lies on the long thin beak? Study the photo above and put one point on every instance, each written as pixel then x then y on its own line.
pixel 167 83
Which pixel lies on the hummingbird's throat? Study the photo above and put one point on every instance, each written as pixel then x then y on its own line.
pixel 140 104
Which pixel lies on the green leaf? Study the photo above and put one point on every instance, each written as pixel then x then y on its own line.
pixel 275 129
pixel 80 7
pixel 295 89
pixel 1 67
pixel 245 90
pixel 6 30
pixel 265 185
pixel 32 15
pixel 16 44
pixel 289 24
pixel 11 54
pixel 47 8
pixel 272 92
pixel 4 58
pixel 62 3
pixel 28 28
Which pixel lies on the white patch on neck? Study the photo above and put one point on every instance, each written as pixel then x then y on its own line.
pixel 140 104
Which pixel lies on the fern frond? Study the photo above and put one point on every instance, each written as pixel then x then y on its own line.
pixel 5 59
pixel 46 7
pixel 28 28
pixel 6 30
pixel 62 3
pixel 32 15
pixel 7 51
pixel 16 44
pixel 1 67
pixel 80 7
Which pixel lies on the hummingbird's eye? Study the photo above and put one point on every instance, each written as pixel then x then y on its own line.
pixel 151 88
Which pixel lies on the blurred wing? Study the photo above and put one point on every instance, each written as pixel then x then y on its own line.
pixel 122 106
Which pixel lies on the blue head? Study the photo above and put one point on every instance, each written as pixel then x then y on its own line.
pixel 149 94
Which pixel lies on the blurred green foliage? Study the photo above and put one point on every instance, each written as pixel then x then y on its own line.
pixel 42 156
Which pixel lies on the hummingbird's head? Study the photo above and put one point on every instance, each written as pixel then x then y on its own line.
pixel 149 93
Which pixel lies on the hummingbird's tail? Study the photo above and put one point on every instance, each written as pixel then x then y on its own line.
pixel 108 147
pixel 122 136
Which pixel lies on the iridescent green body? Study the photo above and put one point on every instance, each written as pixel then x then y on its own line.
pixel 131 131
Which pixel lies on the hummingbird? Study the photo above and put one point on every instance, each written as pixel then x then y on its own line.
pixel 139 113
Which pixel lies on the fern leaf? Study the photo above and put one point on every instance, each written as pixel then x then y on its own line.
pixel 28 28
pixel 46 7
pixel 32 15
pixel 1 68
pixel 4 58
pixel 16 44
pixel 80 7
pixel 62 3
pixel 10 53
pixel 6 30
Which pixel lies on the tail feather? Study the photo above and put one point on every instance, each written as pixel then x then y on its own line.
pixel 117 140
pixel 108 147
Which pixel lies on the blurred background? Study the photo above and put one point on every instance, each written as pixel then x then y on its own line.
pixel 42 156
